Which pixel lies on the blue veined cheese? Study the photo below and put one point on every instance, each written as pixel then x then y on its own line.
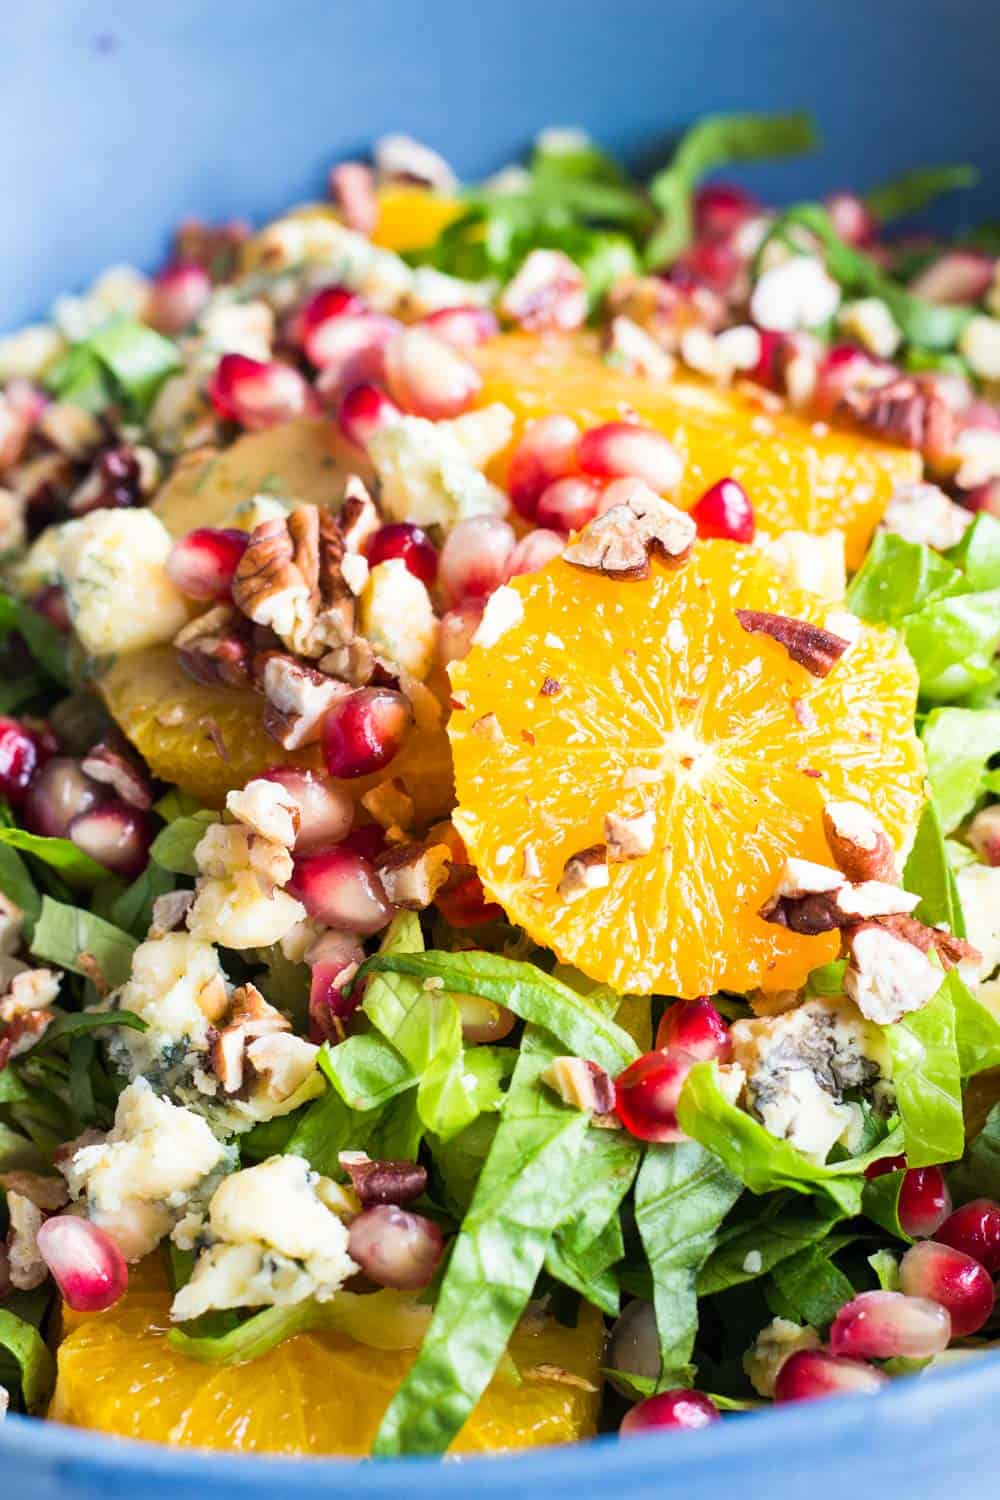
pixel 179 988
pixel 397 617
pixel 275 1234
pixel 979 890
pixel 431 472
pixel 112 564
pixel 138 1180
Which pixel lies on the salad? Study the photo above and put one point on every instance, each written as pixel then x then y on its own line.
pixel 500 810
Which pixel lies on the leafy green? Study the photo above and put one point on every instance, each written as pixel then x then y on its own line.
pixel 174 846
pixel 977 1029
pixel 589 1241
pixel 927 1080
pixel 76 868
pixel 131 909
pixel 124 359
pixel 886 1268
pixel 928 874
pixel 715 141
pixel 46 644
pixel 978 1173
pixel 459 1161
pixel 22 1341
pixel 906 195
pixel 810 1288
pixel 959 743
pixel 63 933
pixel 978 553
pixel 528 991
pixel 898 578
pixel 771 1237
pixel 880 1203
pixel 381 1320
pixel 524 1189
pixel 682 1194
pixel 17 884
pixel 366 1071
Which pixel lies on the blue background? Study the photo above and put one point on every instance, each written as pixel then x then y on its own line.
pixel 118 118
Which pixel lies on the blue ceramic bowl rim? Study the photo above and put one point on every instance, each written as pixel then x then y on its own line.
pixel 812 1436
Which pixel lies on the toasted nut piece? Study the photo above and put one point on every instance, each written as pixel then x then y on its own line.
pixel 283 1061
pixel 629 347
pixel 27 1268
pixel 397 1182
pixel 267 808
pixel 215 647
pixel 412 874
pixel 353 663
pixel 812 647
pixel 581 1084
pixel 629 838
pixel 250 1017
pixel 389 803
pixel 109 766
pixel 983 834
pixel 859 844
pixel 583 872
pixel 170 912
pixel 21 1034
pixel 619 542
pixel 47 1193
pixel 358 519
pixel 923 513
pixel 489 727
pixel 29 991
pixel 812 898
pixel 298 698
pixel 951 950
pixel 887 976
pixel 290 578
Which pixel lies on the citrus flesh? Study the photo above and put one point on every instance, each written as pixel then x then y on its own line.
pixel 314 1394
pixel 648 695
pixel 411 218
pixel 799 475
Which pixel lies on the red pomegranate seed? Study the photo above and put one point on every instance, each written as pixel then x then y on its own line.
pixel 567 504
pixel 725 511
pixel 720 208
pixel 646 1095
pixel 59 793
pixel 412 544
pixel 333 962
pixel 351 350
pixel 19 758
pixel 88 1267
pixel 428 377
pixel 322 307
pixel 950 1277
pixel 534 552
pixel 924 1202
pixel 707 263
pixel 363 732
pixel 957 276
pixel 463 902
pixel 890 1325
pixel 178 297
pixel 116 835
pixel 628 450
pixel 812 1373
pixel 364 410
pixel 975 1230
pixel 51 602
pixel 884 1165
pixel 462 327
pixel 548 293
pixel 546 452
pixel 842 368
pixel 694 1027
pixel 368 840
pixel 474 558
pixel 326 811
pixel 456 630
pixel 984 497
pixel 394 1247
pixel 352 188
pixel 669 1409
pixel 852 221
pixel 341 889
pixel 258 394
pixel 767 371
pixel 202 563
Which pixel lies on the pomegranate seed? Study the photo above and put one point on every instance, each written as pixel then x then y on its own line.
pixel 843 368
pixel 202 564
pixel 352 187
pixel 464 903
pixel 51 602
pixel 955 277
pixel 483 1021
pixel 679 1409
pixel 721 207
pixel 634 1346
pixel 852 220
pixel 412 544
pixel 19 758
pixel 394 1247
pixel 364 731
pixel 694 1027
pixel 568 504
pixel 456 630
pixel 341 889
pixel 950 1277
pixel 890 1325
pixel 116 835
pixel 546 452
pixel 975 1230
pixel 258 394
pixel 767 370
pixel 534 552
pixel 885 1165
pixel 364 410
pixel 462 327
pixel 707 263
pixel 369 841
pixel 646 1095
pixel 322 307
pixel 985 497
pixel 179 295
pixel 326 811
pixel 628 450
pixel 474 558
pixel 58 794
pixel 333 961
pixel 725 511
pixel 88 1267
pixel 811 1373
pixel 428 377
pixel 350 351
pixel 924 1202
pixel 548 292
pixel 114 481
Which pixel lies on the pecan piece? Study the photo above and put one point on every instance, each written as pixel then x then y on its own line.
pixel 215 647
pixel 412 874
pixel 397 1182
pixel 46 1193
pixel 170 912
pixel 21 1034
pixel 886 975
pixel 629 838
pixel 357 520
pixel 619 542
pixel 106 764
pixel 25 1264
pixel 581 1084
pixel 859 844
pixel 298 698
pixel 809 645
pixel 951 950
pixel 353 663
pixel 905 411
pixel 250 1017
pixel 583 872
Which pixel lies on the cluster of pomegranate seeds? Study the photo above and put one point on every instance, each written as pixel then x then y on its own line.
pixel 678 1409
pixel 258 393
pixel 325 306
pixel 428 376
pixel 202 564
pixel 647 1092
pixel 545 453
pixel 365 731
pixel 890 1325
pixel 86 1264
pixel 411 543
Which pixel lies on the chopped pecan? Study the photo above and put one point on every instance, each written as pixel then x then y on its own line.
pixel 298 698
pixel 216 247
pixel 951 950
pixel 904 411
pixel 811 899
pixel 353 663
pixel 29 990
pixel 389 803
pixel 26 1266
pixel 397 1182
pixel 629 838
pixel 583 872
pixel 357 520
pixel 412 874
pixel 550 688
pixel 250 1017
pixel 283 1061
pixel 267 808
pixel 923 513
pixel 107 764
pixel 809 645
pixel 215 647
pixel 859 844
pixel 290 578
pixel 619 542
pixel 631 348
pixel 886 975
pixel 170 912
pixel 581 1084
pixel 46 1193
pixel 488 728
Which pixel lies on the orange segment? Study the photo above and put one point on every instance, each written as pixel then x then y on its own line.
pixel 800 476
pixel 664 703
pixel 410 218
pixel 315 1394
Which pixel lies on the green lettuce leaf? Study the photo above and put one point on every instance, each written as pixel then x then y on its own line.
pixel 906 195
pixel 886 1268
pixel 71 864
pixel 174 846
pixel 880 1203
pixel 809 1288
pixel 589 1241
pixel 30 1354
pixel 767 1239
pixel 928 874
pixel 124 359
pixel 63 933
pixel 379 1320
pixel 46 644
pixel 17 884
pixel 927 1079
pixel 959 743
pixel 978 1173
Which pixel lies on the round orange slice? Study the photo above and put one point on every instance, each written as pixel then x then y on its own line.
pixel 647 699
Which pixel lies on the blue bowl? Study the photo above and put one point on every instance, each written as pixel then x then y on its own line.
pixel 120 119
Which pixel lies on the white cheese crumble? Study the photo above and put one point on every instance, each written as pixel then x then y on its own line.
pixel 431 472
pixel 979 892
pixel 503 611
pixel 796 293
pixel 178 987
pixel 112 564
pixel 398 618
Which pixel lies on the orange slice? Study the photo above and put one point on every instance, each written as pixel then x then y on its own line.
pixel 410 218
pixel 315 1394
pixel 648 695
pixel 800 476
